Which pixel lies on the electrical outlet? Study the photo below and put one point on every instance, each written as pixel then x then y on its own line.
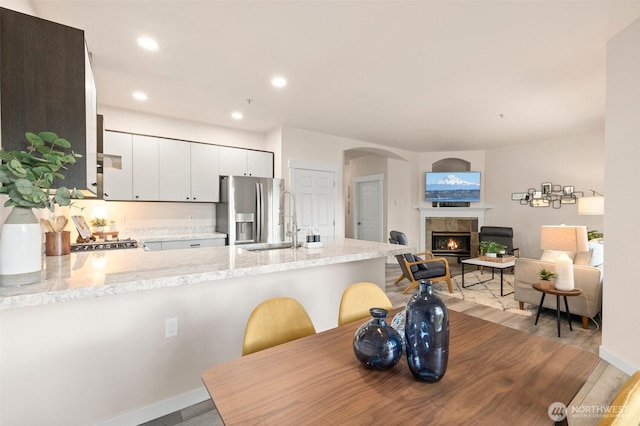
pixel 170 327
pixel 123 219
pixel 192 216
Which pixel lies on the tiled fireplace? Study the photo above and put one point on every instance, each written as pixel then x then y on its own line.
pixel 452 236
pixel 454 220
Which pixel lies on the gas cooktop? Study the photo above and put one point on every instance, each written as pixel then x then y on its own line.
pixel 105 245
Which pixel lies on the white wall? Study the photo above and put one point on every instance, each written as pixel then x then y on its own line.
pixel 620 342
pixel 571 161
pixel 399 195
pixel 274 141
pixel 306 145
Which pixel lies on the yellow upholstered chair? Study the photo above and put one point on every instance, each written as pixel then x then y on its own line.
pixel 276 321
pixel 358 298
pixel 625 407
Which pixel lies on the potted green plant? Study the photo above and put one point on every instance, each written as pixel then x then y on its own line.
pixel 26 177
pixel 545 274
pixel 491 248
pixel 99 223
pixel 594 234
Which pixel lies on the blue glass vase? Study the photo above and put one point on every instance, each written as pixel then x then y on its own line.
pixel 426 334
pixel 377 345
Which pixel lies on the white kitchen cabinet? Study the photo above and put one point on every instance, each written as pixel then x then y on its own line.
pixel 146 168
pixel 174 178
pixel 194 171
pixel 233 161
pixel 244 162
pixel 117 167
pixel 205 175
pixel 260 163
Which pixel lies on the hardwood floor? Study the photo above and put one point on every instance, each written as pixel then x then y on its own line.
pixel 594 396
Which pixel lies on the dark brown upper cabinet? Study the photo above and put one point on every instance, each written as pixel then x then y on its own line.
pixel 46 85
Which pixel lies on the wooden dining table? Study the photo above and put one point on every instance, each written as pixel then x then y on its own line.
pixel 496 375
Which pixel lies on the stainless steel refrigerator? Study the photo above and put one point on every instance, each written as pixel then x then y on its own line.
pixel 249 209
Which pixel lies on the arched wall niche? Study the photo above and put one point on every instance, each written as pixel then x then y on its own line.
pixel 451 165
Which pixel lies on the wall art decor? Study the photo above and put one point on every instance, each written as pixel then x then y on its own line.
pixel 548 195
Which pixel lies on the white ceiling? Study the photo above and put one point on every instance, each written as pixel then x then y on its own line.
pixel 419 75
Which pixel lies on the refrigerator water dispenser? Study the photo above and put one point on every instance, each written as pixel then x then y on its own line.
pixel 244 228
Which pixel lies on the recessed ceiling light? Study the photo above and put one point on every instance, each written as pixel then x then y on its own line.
pixel 148 43
pixel 140 96
pixel 237 115
pixel 279 81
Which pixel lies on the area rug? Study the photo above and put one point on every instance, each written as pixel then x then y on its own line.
pixel 484 293
pixel 480 288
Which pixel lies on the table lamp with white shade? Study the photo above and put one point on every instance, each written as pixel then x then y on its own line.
pixel 564 239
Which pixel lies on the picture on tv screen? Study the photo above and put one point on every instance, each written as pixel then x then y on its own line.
pixel 452 186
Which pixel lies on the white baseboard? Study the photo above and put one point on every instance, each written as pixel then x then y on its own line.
pixel 158 409
pixel 616 361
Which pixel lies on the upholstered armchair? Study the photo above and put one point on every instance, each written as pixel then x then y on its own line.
pixel 420 266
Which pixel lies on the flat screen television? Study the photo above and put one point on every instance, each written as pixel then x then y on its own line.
pixel 445 187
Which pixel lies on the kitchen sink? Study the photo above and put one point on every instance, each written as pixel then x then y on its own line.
pixel 266 246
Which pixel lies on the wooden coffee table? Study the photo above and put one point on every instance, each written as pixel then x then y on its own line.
pixel 549 289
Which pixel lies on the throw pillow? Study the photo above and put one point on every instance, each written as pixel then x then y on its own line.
pixel 597 255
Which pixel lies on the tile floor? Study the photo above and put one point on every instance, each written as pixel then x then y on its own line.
pixel 597 391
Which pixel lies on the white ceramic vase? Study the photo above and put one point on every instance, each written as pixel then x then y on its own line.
pixel 20 248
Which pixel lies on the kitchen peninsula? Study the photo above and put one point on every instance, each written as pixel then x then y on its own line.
pixel 88 342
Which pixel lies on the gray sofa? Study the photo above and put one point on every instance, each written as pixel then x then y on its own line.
pixel 586 278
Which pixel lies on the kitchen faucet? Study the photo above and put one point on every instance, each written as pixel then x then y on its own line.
pixel 292 229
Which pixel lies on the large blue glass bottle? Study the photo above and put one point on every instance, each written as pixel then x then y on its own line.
pixel 377 345
pixel 427 334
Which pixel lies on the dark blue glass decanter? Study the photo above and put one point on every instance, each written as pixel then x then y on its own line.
pixel 426 334
pixel 377 345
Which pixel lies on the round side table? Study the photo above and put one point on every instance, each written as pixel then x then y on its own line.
pixel 544 289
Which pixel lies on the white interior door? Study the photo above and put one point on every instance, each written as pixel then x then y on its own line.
pixel 368 208
pixel 315 206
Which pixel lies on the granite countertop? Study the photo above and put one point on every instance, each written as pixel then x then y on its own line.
pixel 85 275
